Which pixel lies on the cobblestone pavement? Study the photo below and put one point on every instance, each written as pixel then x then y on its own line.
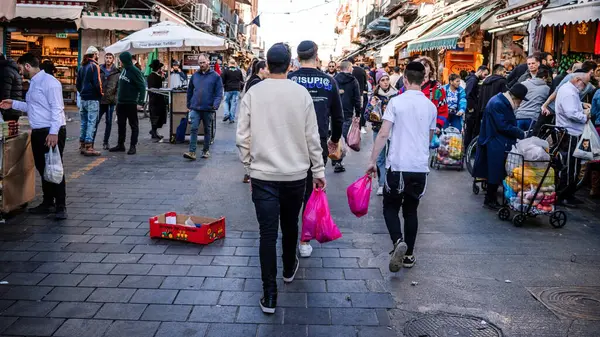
pixel 99 274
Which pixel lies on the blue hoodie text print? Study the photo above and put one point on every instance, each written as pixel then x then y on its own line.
pixel 313 82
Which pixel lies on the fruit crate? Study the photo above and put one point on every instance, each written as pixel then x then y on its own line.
pixel 206 230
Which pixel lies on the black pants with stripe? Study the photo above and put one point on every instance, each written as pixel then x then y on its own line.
pixel 569 173
pixel 54 194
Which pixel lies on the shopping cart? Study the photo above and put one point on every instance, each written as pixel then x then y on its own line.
pixel 449 152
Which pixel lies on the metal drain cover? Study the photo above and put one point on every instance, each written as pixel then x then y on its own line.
pixel 570 302
pixel 447 325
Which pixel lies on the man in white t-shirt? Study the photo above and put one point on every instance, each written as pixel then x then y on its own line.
pixel 409 124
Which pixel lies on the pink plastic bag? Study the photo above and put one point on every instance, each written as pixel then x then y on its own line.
pixel 316 220
pixel 359 194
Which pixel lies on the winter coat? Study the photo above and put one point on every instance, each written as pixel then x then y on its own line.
pixel 361 76
pixel 437 95
pixel 132 85
pixel 491 86
pixel 498 133
pixel 110 82
pixel 462 100
pixel 11 86
pixel 350 94
pixel 156 102
pixel 89 81
pixel 384 97
pixel 472 91
pixel 537 93
pixel 233 79
pixel 205 91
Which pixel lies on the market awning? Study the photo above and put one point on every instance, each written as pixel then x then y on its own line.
pixel 447 35
pixel 41 9
pixel 582 12
pixel 413 32
pixel 115 21
pixel 7 9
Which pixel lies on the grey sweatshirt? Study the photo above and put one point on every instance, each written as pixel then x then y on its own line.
pixel 537 93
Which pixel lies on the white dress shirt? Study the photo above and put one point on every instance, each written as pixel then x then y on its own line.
pixel 569 111
pixel 44 103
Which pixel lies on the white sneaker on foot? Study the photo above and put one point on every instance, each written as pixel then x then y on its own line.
pixel 380 190
pixel 305 250
pixel 397 256
pixel 363 130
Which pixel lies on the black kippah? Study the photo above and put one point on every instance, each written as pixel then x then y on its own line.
pixel 415 66
pixel 307 49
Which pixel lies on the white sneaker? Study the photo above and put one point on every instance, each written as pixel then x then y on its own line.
pixel 305 250
pixel 380 190
pixel 363 130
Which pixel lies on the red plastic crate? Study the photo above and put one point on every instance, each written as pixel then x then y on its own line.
pixel 211 230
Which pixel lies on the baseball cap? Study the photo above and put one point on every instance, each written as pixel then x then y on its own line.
pixel 91 50
pixel 279 53
pixel 519 91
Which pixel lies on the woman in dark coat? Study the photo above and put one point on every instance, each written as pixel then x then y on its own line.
pixel 11 86
pixel 499 132
pixel 156 102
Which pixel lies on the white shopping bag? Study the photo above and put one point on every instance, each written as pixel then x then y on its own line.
pixel 53 172
pixel 588 147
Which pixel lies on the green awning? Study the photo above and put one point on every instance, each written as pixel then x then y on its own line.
pixel 447 35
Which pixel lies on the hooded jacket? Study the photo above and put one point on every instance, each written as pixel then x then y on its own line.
pixel 537 93
pixel 491 86
pixel 472 91
pixel 233 79
pixel 110 82
pixel 350 94
pixel 89 81
pixel 132 86
pixel 11 86
pixel 205 91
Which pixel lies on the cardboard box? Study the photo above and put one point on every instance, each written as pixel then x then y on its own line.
pixel 212 229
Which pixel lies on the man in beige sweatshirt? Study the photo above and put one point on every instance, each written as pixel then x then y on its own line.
pixel 278 138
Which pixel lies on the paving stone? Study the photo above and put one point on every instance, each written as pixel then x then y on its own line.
pixel 287 330
pixel 214 314
pixel 234 242
pixel 154 296
pixel 149 249
pixel 137 281
pixel 325 253
pixel 291 300
pixel 40 237
pixel 57 267
pixel 48 256
pixel 82 247
pixel 228 329
pixel 48 247
pixel 34 326
pixel 363 274
pixel 125 224
pixel 346 286
pixel 121 258
pixel 67 280
pixel 24 278
pixel 211 283
pixel 158 259
pixel 75 294
pixel 323 274
pixel 352 316
pixel 170 329
pixel 373 300
pixel 114 248
pixel 75 238
pixel 230 261
pixel 6 322
pixel 86 257
pixel 208 271
pixel 188 249
pixel 29 309
pixel 376 331
pixel 331 331
pixel 167 313
pixel 140 240
pixel 240 298
pixel 131 231
pixel 132 329
pixel 249 235
pixel 131 269
pixel 354 252
pixel 313 262
pixel 243 272
pixel 33 293
pixel 377 286
pixel 246 251
pixel 217 250
pixel 194 260
pixel 198 297
pixel 329 300
pixel 101 281
pixel 107 238
pixel 94 268
pixel 307 316
pixel 342 262
pixel 305 286
pixel 253 314
pixel 102 231
pixel 122 311
pixel 169 270
pixel 182 282
pixel 15 245
pixel 75 310
pixel 5 304
pixel 112 295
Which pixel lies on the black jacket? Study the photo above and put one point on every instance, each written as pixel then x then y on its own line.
pixel 350 94
pixel 361 76
pixel 472 91
pixel 11 86
pixel 254 79
pixel 514 75
pixel 490 87
pixel 326 98
pixel 233 79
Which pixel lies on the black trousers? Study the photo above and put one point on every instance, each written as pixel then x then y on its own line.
pixel 569 174
pixel 277 203
pixel 363 121
pixel 54 194
pixel 128 112
pixel 403 190
pixel 472 126
pixel 542 120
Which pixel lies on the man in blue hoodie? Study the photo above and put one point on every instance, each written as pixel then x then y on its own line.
pixel 204 96
pixel 89 86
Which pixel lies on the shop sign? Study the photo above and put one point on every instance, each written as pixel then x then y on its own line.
pixel 61 35
pixel 456 68
pixel 190 62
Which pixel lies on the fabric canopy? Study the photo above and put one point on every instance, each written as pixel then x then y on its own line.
pixel 582 12
pixel 413 32
pixel 7 9
pixel 447 35
pixel 62 10
pixel 114 21
pixel 166 35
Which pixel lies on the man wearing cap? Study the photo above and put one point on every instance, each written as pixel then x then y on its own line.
pixel 110 81
pixel 233 82
pixel 328 105
pixel 178 78
pixel 498 133
pixel 89 86
pixel 278 161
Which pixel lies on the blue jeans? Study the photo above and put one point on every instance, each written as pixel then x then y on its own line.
pixel 107 109
pixel 455 121
pixel 195 117
pixel 231 101
pixel 89 115
pixel 524 123
pixel 380 162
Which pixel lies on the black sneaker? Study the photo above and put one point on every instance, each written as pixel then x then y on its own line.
pixel 42 209
pixel 288 275
pixel 205 154
pixel 339 168
pixel 132 150
pixel 118 148
pixel 409 261
pixel 268 303
pixel 225 119
pixel 231 121
pixel 397 255
pixel 105 147
pixel 493 205
pixel 61 214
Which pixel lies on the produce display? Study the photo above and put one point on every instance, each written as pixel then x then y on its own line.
pixel 520 189
pixel 449 151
